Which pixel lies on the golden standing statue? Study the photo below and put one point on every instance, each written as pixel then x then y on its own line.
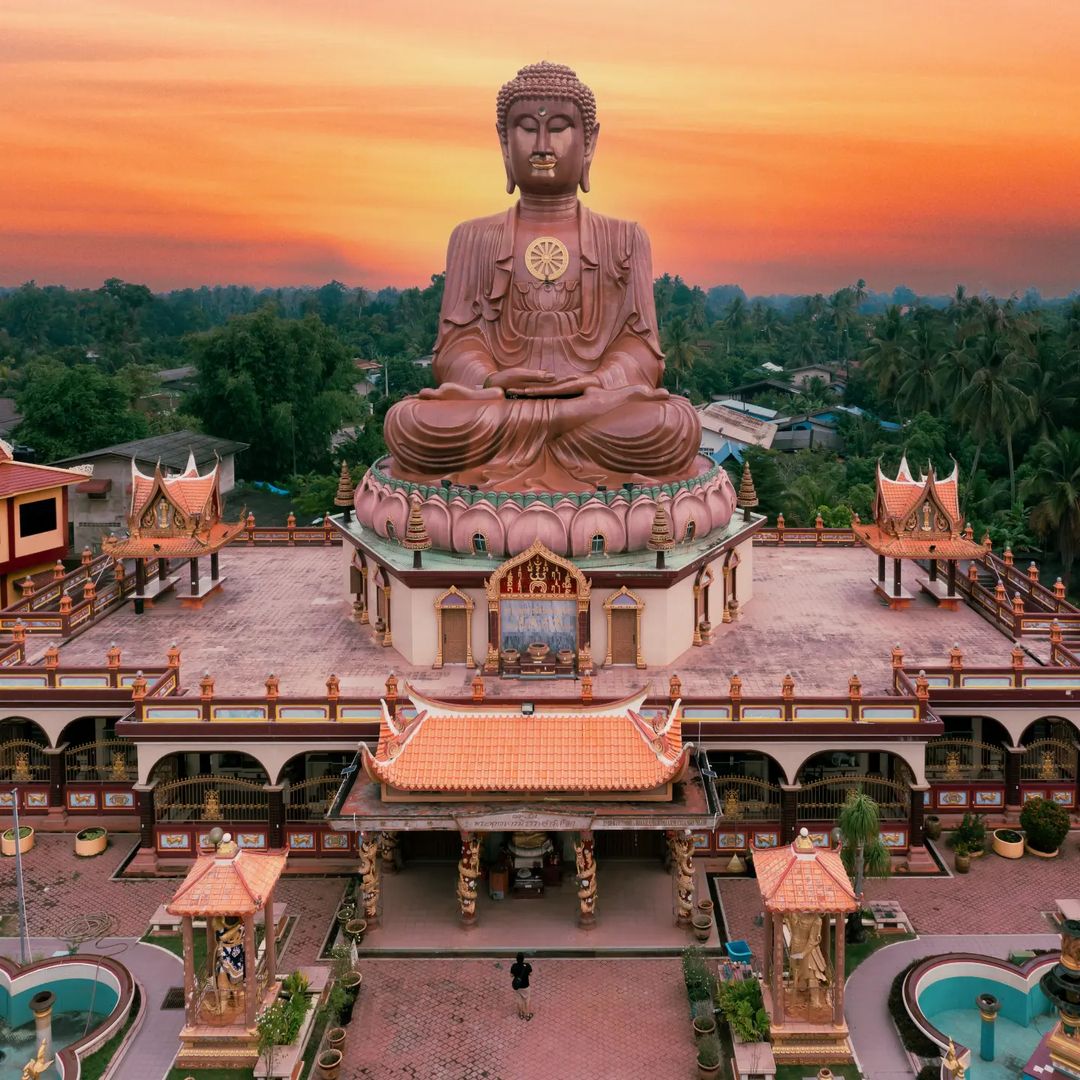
pixel 33 1069
pixel 809 972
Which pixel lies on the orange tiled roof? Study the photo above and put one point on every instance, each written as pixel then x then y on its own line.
pixel 792 880
pixel 190 546
pixel 913 546
pixel 558 748
pixel 230 885
pixel 900 496
pixel 187 490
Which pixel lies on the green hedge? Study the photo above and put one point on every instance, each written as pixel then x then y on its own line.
pixel 911 1036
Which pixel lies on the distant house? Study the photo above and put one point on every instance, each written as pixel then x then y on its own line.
pixel 98 506
pixel 801 376
pixel 748 407
pixel 763 386
pixel 720 425
pixel 33 519
pixel 818 430
pixel 771 368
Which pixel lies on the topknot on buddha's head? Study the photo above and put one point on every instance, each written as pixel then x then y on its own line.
pixel 547 80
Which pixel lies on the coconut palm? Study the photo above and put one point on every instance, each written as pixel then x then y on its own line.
pixel 917 386
pixel 994 402
pixel 862 849
pixel 680 351
pixel 1053 489
pixel 885 353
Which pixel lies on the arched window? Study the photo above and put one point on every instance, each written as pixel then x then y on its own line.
pixel 598 545
pixel 391 532
pixel 691 531
pixel 479 544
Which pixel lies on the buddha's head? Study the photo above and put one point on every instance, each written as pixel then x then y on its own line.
pixel 546 120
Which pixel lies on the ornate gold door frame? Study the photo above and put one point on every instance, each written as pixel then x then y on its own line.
pixel 453 599
pixel 624 599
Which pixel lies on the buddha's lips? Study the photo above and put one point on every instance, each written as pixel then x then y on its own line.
pixel 542 163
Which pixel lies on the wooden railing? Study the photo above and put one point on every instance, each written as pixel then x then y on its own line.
pixel 822 800
pixel 782 535
pixel 289 535
pixel 212 799
pixel 745 798
pixel 964 759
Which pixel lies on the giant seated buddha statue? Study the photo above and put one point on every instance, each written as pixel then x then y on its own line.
pixel 547 362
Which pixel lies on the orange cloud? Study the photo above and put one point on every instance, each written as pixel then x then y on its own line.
pixel 788 146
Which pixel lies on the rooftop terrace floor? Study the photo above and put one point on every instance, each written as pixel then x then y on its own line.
pixel 286 611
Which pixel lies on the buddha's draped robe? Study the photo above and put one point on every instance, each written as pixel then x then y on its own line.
pixel 602 324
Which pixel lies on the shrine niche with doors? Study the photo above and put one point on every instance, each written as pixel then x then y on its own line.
pixel 382 631
pixel 538 616
pixel 703 631
pixel 731 586
pixel 453 628
pixel 623 610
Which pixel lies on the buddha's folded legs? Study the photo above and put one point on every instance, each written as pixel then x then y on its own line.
pixel 553 444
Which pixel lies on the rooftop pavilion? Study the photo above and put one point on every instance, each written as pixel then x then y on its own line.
pixel 286 611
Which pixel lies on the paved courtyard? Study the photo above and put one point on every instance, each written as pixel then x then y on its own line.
pixel 457 1020
pixel 286 611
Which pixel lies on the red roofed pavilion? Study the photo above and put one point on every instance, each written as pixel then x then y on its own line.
pixel 807 893
pixel 918 519
pixel 227 888
pixel 174 517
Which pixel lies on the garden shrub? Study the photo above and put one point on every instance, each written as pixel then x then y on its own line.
pixel 1046 824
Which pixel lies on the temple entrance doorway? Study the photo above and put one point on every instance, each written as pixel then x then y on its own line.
pixel 434 846
pixel 630 844
pixel 455 643
pixel 624 645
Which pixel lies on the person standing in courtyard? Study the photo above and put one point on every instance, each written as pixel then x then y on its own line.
pixel 521 972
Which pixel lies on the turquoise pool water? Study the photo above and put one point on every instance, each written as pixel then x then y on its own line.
pixel 949 1005
pixel 73 999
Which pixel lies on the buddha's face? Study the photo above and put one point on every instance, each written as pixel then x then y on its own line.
pixel 547 150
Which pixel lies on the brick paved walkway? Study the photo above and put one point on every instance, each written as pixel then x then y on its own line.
pixel 457 1020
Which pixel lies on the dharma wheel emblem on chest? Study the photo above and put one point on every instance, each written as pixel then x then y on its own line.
pixel 546 258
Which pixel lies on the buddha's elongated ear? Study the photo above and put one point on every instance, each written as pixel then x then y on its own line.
pixel 510 183
pixel 591 149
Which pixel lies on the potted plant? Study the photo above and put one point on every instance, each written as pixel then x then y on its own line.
pixel 330 1064
pixel 705 906
pixel 26 840
pixel 1045 824
pixel 932 827
pixel 335 1037
pixel 1008 843
pixel 971 834
pixel 345 912
pixel 962 861
pixel 350 984
pixel 708 1056
pixel 704 1018
pixel 702 924
pixel 91 841
pixel 355 930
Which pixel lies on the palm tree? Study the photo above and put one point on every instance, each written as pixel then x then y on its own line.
pixel 1054 489
pixel 884 354
pixel 680 351
pixel 917 387
pixel 994 402
pixel 863 851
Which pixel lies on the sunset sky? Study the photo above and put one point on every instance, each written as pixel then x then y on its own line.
pixel 787 146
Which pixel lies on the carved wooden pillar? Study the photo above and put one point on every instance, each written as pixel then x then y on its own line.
pixel 190 1005
pixel 250 977
pixel 778 969
pixel 838 987
pixel 468 878
pixel 491 664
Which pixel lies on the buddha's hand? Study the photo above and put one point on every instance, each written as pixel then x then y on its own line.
pixel 572 386
pixel 457 392
pixel 519 380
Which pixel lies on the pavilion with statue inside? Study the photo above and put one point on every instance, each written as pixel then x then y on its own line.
pixel 807 896
pixel 229 890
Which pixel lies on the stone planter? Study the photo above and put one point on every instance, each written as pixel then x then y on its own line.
pixel 705 907
pixel 707 1072
pixel 25 843
pixel 91 842
pixel 345 913
pixel 355 930
pixel 700 1031
pixel 932 827
pixel 335 1038
pixel 1027 847
pixel 702 925
pixel 1008 849
pixel 329 1062
pixel 962 862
